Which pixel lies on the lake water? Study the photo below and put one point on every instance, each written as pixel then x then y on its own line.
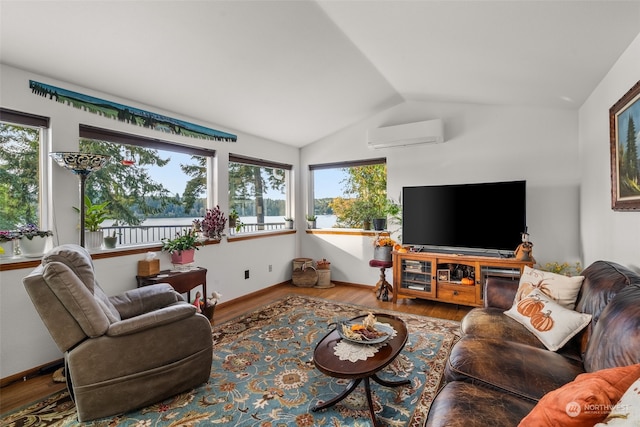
pixel 323 221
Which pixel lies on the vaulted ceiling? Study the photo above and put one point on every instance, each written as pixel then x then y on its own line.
pixel 296 71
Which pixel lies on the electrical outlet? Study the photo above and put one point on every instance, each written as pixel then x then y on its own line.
pixel 246 274
pixel 270 268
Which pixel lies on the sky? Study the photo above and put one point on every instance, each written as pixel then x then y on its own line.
pixel 171 175
pixel 327 181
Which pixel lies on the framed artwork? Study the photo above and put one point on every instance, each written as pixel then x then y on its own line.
pixel 443 275
pixel 624 135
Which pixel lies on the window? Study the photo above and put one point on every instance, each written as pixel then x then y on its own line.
pixel 154 188
pixel 258 192
pixel 21 195
pixel 349 194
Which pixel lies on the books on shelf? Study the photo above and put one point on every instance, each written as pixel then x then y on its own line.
pixel 414 266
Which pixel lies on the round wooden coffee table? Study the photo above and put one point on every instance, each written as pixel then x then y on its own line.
pixel 330 364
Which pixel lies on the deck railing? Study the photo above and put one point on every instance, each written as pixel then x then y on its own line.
pixel 140 234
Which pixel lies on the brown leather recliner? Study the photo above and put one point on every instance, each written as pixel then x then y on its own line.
pixel 499 370
pixel 122 352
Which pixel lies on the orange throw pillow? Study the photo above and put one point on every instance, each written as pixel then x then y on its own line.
pixel 583 402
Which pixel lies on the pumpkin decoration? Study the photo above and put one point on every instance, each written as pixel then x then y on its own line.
pixel 526 288
pixel 467 281
pixel 530 306
pixel 542 321
pixel 399 248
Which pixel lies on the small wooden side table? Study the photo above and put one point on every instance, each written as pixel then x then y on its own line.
pixel 182 281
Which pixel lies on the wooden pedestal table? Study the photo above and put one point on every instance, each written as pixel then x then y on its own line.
pixel 383 288
pixel 330 364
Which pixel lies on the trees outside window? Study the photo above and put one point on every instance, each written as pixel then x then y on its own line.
pixel 159 184
pixel 153 187
pixel 349 194
pixel 20 174
pixel 258 192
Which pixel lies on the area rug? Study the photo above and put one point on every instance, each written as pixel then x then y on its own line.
pixel 263 376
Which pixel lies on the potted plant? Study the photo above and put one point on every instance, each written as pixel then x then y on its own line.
pixel 33 241
pixel 94 216
pixel 288 223
pixel 383 209
pixel 311 221
pixel 110 241
pixel 234 221
pixel 214 223
pixel 6 243
pixel 182 248
pixel 382 248
pixel 363 212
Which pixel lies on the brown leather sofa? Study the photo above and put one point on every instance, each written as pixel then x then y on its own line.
pixel 498 371
pixel 121 352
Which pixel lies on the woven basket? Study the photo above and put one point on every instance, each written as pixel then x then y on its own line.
pixel 306 277
pixel 302 263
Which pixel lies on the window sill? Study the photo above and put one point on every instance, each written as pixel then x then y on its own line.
pixel 258 235
pixel 17 263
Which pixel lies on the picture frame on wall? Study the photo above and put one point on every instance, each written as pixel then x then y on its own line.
pixel 443 276
pixel 624 135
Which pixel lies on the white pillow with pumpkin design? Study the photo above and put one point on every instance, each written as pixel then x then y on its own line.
pixel 562 289
pixel 550 322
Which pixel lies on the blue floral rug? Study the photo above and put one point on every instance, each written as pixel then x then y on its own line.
pixel 263 376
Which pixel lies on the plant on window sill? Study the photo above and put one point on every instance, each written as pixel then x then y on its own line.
pixel 234 221
pixel 31 230
pixel 94 214
pixel 214 223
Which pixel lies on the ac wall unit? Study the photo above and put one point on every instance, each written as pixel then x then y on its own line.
pixel 427 132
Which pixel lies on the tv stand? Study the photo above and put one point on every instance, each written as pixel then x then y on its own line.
pixel 449 277
pixel 495 253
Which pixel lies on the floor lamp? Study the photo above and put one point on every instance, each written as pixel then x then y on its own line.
pixel 81 164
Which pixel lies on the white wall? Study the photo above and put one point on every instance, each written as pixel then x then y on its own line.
pixel 606 234
pixel 483 144
pixel 25 341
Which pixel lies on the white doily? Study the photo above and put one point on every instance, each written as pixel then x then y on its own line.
pixel 351 351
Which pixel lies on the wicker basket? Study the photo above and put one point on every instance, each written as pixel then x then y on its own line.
pixel 302 263
pixel 305 277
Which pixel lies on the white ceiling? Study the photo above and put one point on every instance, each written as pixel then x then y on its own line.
pixel 296 71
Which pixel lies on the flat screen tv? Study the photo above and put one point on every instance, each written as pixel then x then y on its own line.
pixel 466 218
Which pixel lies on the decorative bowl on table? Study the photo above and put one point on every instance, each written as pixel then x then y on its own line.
pixel 369 331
